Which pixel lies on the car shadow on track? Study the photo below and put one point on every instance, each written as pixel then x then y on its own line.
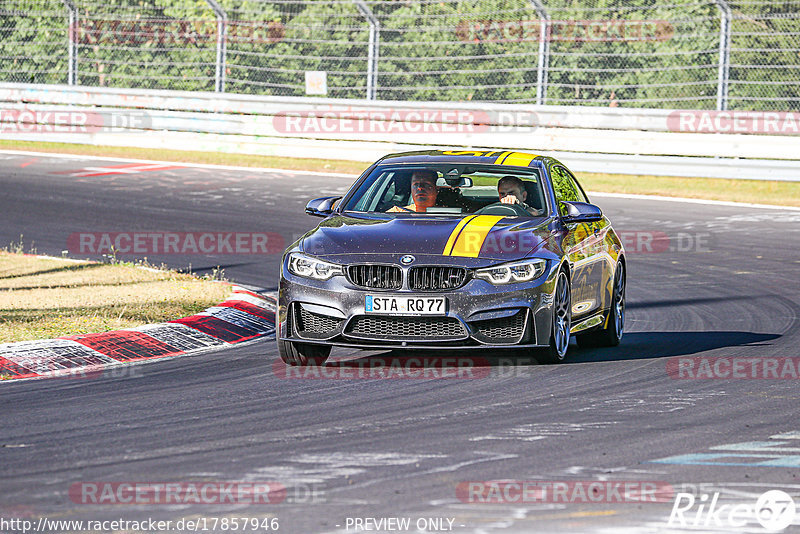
pixel 672 303
pixel 647 345
pixel 634 346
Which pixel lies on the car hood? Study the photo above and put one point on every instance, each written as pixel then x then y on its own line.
pixel 472 238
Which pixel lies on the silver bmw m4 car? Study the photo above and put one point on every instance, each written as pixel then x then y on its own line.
pixel 454 249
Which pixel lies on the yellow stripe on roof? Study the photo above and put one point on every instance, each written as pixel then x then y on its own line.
pixel 519 159
pixel 500 158
pixel 471 239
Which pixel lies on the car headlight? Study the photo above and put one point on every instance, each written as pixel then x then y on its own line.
pixel 309 267
pixel 510 273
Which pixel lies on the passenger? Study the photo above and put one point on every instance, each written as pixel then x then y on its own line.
pixel 423 192
pixel 512 191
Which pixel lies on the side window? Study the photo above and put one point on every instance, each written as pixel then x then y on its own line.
pixel 374 192
pixel 578 190
pixel 564 187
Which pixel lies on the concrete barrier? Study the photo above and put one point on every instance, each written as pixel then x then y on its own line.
pixel 615 140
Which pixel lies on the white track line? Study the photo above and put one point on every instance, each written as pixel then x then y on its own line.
pixel 180 163
pixel 694 201
pixel 340 175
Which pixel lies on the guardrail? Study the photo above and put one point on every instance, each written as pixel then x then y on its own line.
pixel 616 140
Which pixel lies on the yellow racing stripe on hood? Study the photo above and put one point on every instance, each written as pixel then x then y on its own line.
pixel 448 248
pixel 468 243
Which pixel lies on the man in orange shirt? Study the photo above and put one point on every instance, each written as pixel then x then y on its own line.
pixel 423 191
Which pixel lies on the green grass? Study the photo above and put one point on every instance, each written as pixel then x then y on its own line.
pixel 755 191
pixel 42 298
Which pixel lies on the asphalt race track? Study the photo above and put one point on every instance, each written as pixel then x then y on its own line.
pixel 705 281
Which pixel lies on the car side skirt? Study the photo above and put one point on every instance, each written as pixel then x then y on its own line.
pixel 410 345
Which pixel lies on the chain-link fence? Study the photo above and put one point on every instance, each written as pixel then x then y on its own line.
pixel 704 54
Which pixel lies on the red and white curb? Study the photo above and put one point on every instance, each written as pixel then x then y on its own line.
pixel 244 316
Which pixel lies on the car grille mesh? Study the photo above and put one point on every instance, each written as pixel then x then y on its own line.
pixel 502 330
pixel 315 324
pixel 406 328
pixel 436 278
pixel 376 276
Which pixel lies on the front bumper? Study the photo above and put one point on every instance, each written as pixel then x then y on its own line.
pixel 479 315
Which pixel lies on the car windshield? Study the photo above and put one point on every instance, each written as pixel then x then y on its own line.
pixel 449 189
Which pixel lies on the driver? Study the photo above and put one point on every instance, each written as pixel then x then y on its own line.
pixel 423 191
pixel 512 191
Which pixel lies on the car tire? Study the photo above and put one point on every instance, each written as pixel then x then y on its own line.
pixel 610 335
pixel 302 353
pixel 556 352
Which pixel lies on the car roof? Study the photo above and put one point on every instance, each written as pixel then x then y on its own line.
pixel 458 155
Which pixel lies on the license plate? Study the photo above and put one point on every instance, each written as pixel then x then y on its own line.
pixel 411 305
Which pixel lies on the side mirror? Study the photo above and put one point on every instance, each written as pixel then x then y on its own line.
pixel 579 212
pixel 321 207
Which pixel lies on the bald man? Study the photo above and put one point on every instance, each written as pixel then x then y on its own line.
pixel 423 192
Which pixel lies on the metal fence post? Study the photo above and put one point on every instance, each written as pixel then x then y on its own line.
pixel 724 54
pixel 222 39
pixel 72 43
pixel 544 52
pixel 373 51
